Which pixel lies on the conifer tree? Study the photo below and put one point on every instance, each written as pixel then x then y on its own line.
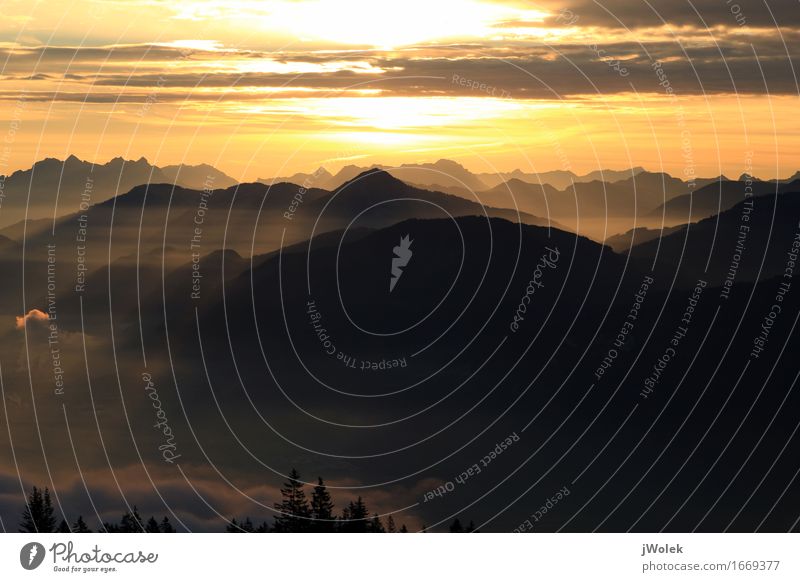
pixel 63 527
pixel 376 525
pixel 323 519
pixel 293 510
pixel 166 526
pixel 80 526
pixel 403 529
pixel 355 517
pixel 152 526
pixel 390 527
pixel 456 526
pixel 38 514
pixel 131 522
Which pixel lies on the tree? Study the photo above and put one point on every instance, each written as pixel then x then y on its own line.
pixel 131 522
pixel 376 525
pixel 152 526
pixel 38 514
pixel 456 527
pixel 166 526
pixel 471 527
pixel 322 516
pixel 403 529
pixel 80 526
pixel 63 527
pixel 355 517
pixel 294 512
pixel 244 527
pixel 390 527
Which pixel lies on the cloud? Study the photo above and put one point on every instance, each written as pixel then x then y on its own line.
pixel 34 315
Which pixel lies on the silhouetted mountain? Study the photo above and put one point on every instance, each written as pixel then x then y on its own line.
pixel 54 188
pixel 713 199
pixel 636 236
pixel 742 244
pixel 559 179
pixel 197 177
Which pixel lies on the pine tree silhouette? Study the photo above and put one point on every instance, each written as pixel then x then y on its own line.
pixel 245 526
pixel 63 527
pixel 403 529
pixel 166 526
pixel 152 526
pixel 131 522
pixel 376 525
pixel 355 517
pixel 323 520
pixel 390 527
pixel 456 527
pixel 38 514
pixel 293 511
pixel 80 526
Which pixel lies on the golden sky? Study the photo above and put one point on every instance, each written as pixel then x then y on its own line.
pixel 272 87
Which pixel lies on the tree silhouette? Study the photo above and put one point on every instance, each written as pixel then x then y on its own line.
pixel 131 522
pixel 355 517
pixel 244 527
pixel 152 526
pixel 80 526
pixel 293 510
pixel 390 527
pixel 63 527
pixel 456 526
pixel 38 514
pixel 323 520
pixel 376 525
pixel 166 526
pixel 403 529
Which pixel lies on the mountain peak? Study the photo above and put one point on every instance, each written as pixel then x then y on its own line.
pixel 373 178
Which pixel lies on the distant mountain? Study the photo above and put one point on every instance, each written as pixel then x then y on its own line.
pixel 443 174
pixel 321 178
pixel 53 188
pixel 638 196
pixel 635 236
pixel 714 198
pixel 197 177
pixel 717 247
pixel 559 179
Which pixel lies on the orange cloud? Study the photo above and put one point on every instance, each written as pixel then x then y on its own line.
pixel 34 315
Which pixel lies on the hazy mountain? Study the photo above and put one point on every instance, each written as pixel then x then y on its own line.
pixel 559 179
pixel 197 177
pixel 321 178
pixel 621 243
pixel 714 198
pixel 717 247
pixel 53 188
pixel 443 174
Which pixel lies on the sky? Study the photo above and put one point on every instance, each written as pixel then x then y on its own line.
pixel 272 87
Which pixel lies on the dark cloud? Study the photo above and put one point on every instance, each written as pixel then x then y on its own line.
pixel 700 13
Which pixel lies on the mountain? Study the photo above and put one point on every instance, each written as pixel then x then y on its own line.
pixel 559 179
pixel 197 177
pixel 441 174
pixel 52 188
pixel 746 243
pixel 376 198
pixel 321 178
pixel 636 236
pixel 634 196
pixel 714 198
